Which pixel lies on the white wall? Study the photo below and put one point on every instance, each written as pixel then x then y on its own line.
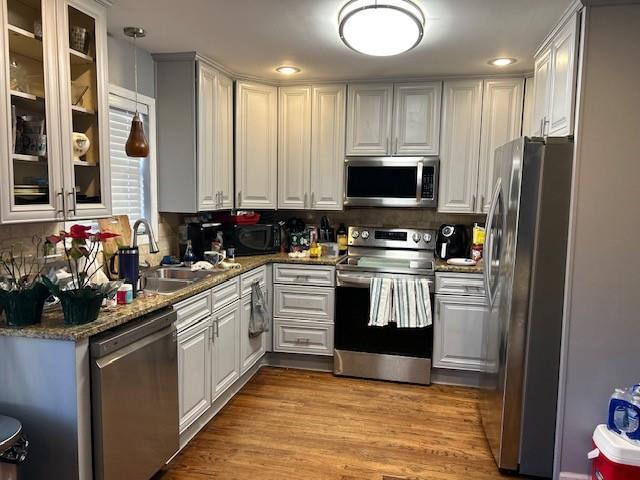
pixel 121 67
pixel 603 316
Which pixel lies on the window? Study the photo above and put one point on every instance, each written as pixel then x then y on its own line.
pixel 129 176
pixel 133 180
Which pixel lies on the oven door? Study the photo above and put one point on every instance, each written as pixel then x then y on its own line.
pixel 254 239
pixel 391 182
pixel 352 332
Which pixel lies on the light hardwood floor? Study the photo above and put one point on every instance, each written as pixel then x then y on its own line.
pixel 293 424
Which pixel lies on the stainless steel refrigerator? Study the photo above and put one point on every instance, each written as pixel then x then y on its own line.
pixel 525 253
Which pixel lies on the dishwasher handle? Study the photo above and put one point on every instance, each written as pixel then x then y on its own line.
pixel 129 333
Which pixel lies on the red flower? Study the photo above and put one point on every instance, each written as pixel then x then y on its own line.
pixel 78 232
pixel 105 235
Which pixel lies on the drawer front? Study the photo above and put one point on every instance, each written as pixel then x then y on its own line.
pixel 294 336
pixel 320 275
pixel 225 293
pixel 249 278
pixel 460 283
pixel 306 303
pixel 192 310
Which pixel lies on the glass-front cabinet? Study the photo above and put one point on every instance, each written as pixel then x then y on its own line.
pixel 53 94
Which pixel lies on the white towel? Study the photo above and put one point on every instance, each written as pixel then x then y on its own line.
pixel 380 302
pixel 411 303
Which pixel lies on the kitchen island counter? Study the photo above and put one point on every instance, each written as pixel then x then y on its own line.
pixel 52 326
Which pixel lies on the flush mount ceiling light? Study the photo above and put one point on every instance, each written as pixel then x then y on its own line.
pixel 381 27
pixel 287 70
pixel 502 62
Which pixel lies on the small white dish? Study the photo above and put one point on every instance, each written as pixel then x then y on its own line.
pixel 462 262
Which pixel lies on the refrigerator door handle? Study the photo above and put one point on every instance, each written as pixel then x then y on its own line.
pixel 489 242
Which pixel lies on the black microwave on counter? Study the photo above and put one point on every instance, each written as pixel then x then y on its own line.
pixel 252 239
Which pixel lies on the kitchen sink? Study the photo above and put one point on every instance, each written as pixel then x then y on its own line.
pixel 170 280
pixel 175 273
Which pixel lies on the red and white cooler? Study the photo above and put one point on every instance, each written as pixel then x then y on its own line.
pixel 613 458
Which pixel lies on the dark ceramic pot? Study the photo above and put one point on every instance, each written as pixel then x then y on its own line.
pixel 24 307
pixel 80 306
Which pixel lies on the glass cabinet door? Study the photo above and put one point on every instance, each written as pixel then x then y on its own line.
pixel 31 174
pixel 84 100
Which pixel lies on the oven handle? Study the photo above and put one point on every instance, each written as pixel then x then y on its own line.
pixel 363 280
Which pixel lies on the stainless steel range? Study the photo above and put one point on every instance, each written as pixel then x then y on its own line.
pixel 384 353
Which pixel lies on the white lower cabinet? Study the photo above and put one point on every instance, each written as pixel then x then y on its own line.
pixel 225 342
pixel 194 377
pixel 296 336
pixel 458 326
pixel 303 310
pixel 251 348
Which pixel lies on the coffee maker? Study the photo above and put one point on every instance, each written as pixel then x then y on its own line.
pixel 202 235
pixel 452 242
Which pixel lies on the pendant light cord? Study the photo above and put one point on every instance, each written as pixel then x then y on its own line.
pixel 135 68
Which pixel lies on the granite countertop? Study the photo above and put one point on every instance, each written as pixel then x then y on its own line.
pixel 443 266
pixel 52 326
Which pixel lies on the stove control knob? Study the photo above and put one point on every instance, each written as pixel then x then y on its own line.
pixel 427 237
pixel 355 234
pixel 364 235
pixel 416 237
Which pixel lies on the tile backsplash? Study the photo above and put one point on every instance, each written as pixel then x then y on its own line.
pixel 382 217
pixel 166 236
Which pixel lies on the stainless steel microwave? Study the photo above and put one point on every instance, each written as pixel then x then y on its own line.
pixel 391 181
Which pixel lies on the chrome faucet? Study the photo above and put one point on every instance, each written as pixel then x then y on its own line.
pixel 153 246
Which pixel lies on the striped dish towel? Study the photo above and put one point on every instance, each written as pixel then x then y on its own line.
pixel 380 302
pixel 411 303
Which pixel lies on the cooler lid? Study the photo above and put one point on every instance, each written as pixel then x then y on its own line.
pixel 616 448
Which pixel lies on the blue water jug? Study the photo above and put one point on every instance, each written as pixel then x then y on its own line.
pixel 624 412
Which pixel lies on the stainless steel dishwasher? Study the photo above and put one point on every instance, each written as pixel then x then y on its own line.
pixel 134 396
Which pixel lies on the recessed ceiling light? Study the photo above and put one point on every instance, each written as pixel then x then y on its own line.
pixel 381 27
pixel 287 70
pixel 502 62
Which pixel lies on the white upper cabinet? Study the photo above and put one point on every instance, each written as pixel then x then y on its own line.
pixel 527 114
pixel 195 135
pixel 294 147
pixel 40 178
pixel 256 145
pixel 327 146
pixel 369 114
pixel 416 125
pixel 224 134
pixel 208 196
pixel 555 82
pixel 564 80
pixel 460 146
pixel 311 147
pixel 501 123
pixel 542 93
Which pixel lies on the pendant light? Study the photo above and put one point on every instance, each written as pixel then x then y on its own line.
pixel 137 144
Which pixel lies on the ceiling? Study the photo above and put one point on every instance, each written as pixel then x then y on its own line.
pixel 252 37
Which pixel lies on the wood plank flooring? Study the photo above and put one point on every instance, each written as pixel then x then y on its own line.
pixel 293 424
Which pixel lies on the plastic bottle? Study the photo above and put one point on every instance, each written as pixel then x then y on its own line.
pixel 341 237
pixel 189 256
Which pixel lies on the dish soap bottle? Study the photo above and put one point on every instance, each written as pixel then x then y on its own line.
pixel 341 237
pixel 189 256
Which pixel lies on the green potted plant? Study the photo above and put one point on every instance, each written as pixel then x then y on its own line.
pixel 22 294
pixel 81 299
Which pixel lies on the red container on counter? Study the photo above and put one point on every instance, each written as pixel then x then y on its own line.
pixel 613 457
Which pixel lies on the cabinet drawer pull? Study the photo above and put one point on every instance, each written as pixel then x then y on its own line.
pixel 302 340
